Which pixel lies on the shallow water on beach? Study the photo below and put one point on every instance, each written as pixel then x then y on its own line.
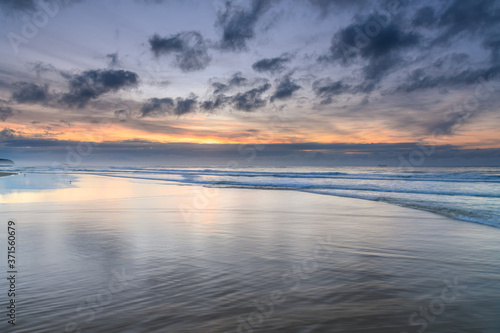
pixel 465 193
pixel 107 254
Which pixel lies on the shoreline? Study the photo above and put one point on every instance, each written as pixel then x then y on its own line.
pixel 199 195
pixel 200 188
pixel 250 187
pixel 334 262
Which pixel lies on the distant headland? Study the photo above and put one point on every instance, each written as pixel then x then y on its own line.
pixel 5 162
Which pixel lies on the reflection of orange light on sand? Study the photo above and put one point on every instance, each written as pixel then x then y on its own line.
pixel 106 188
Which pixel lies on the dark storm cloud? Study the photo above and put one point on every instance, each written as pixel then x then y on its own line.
pixel 236 80
pixel 189 48
pixel 271 65
pixel 327 89
pixel 21 5
pixel 422 78
pixel 285 88
pixel 251 99
pixel 152 2
pixel 160 107
pixel 219 87
pixel 238 24
pixel 157 107
pixel 216 102
pixel 492 43
pixel 379 67
pixel 468 16
pixel 32 5
pixel 185 105
pixel 457 19
pixel 391 38
pixel 247 101
pixel 448 126
pixel 5 112
pixel 379 43
pixel 26 92
pixel 326 5
pixel 424 17
pixel 91 84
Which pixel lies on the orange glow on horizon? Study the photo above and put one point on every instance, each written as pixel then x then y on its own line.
pixel 227 133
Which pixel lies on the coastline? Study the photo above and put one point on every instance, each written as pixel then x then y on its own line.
pixel 441 191
pixel 4 174
pixel 209 255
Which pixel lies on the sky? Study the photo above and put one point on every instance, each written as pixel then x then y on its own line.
pixel 260 82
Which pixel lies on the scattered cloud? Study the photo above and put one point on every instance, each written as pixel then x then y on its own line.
pixel 216 102
pixel 423 78
pixel 271 65
pixel 160 107
pixel 21 5
pixel 326 89
pixel 468 17
pixel 390 38
pixel 238 23
pixel 285 88
pixel 424 17
pixel 378 46
pixel 189 48
pixel 5 112
pixel 26 92
pixel 492 43
pixel 185 105
pixel 326 5
pixel 113 60
pixel 91 84
pixel 157 107
pixel 66 122
pixel 40 68
pixel 251 99
pixel 236 80
pixel 403 70
pixel 28 5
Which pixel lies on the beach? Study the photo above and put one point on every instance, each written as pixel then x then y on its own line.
pixel 108 254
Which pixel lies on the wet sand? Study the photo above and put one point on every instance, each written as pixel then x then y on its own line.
pixel 117 255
